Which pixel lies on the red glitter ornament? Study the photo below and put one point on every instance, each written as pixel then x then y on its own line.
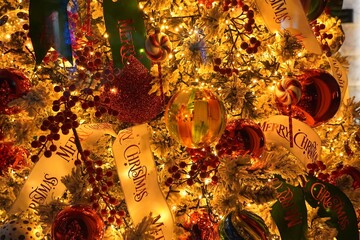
pixel 129 94
pixel 11 156
pixel 77 222
pixel 13 84
pixel 201 226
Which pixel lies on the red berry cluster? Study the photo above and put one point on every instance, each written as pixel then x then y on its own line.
pixel 204 165
pixel 316 168
pixel 251 46
pixel 65 119
pixel 101 181
pixel 63 122
pixel 224 70
pixel 322 36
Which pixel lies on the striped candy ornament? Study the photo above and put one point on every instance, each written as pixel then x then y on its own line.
pixel 158 47
pixel 243 225
pixel 288 91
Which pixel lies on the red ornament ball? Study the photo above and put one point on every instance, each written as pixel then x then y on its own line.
pixel 129 94
pixel 11 156
pixel 241 136
pixel 13 85
pixel 320 99
pixel 77 222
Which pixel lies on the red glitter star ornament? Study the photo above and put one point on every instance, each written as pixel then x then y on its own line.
pixel 129 94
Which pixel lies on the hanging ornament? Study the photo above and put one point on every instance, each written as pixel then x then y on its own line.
pixel 287 93
pixel 21 229
pixel 243 225
pixel 313 8
pixel 195 117
pixel 158 46
pixel 320 99
pixel 129 94
pixel 77 222
pixel 13 85
pixel 241 136
pixel 11 156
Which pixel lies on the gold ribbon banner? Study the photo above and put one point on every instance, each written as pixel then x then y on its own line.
pixel 307 143
pixel 280 15
pixel 44 181
pixel 139 181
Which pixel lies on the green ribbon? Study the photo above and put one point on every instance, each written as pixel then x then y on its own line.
pixel 289 212
pixel 126 29
pixel 49 27
pixel 333 203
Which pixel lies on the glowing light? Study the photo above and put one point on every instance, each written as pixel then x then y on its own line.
pixel 114 90
pixel 183 193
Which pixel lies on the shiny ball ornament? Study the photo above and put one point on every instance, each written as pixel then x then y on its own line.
pixel 77 222
pixel 313 8
pixel 243 225
pixel 158 47
pixel 288 91
pixel 21 229
pixel 195 117
pixel 241 136
pixel 320 99
pixel 13 85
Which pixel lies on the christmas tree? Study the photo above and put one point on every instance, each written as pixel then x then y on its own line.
pixel 176 119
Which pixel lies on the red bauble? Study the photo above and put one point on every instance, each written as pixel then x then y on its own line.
pixel 320 100
pixel 77 222
pixel 11 156
pixel 13 84
pixel 129 94
pixel 201 226
pixel 241 136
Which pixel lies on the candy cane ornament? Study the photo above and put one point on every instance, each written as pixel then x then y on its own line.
pixel 158 47
pixel 288 92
